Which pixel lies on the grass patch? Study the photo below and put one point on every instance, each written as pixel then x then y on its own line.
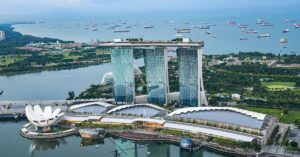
pixel 290 117
pixel 273 86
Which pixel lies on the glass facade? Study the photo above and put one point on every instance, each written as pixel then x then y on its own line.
pixel 188 76
pixel 156 75
pixel 122 65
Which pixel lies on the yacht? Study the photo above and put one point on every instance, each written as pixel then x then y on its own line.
pixel 285 30
pixel 283 40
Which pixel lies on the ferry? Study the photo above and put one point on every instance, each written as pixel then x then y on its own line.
pixel 264 36
pixel 92 133
pixel 121 31
pixel 7 113
pixel 148 26
pixel 283 40
pixel 285 30
pixel 243 38
pixel 184 30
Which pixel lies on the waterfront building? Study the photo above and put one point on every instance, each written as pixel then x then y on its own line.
pixel 122 65
pixel 43 119
pixel 232 123
pixel 188 77
pixel 156 69
pixel 156 75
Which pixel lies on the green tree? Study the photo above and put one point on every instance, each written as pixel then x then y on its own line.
pixel 71 95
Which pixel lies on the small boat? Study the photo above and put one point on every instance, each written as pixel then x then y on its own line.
pixel 184 30
pixel 207 32
pixel 264 36
pixel 283 40
pixel 1 92
pixel 148 26
pixel 95 29
pixel 285 30
pixel 243 38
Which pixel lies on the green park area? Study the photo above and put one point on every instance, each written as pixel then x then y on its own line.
pixel 278 86
pixel 284 115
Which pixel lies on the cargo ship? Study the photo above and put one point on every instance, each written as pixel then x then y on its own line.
pixel 264 36
pixel 184 30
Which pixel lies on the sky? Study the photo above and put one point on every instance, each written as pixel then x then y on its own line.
pixel 17 9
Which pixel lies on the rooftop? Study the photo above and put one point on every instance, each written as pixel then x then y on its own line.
pixel 151 43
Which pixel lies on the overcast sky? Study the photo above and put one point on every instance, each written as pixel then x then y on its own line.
pixel 31 8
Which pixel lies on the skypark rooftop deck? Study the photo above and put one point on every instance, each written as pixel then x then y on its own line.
pixel 183 44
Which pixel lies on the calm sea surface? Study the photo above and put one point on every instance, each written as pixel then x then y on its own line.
pixel 223 38
pixel 13 145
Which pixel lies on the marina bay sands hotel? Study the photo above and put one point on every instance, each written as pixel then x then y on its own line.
pixel 189 58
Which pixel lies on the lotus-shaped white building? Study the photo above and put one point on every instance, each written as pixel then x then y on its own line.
pixel 43 119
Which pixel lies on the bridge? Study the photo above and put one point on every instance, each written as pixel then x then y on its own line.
pixel 20 103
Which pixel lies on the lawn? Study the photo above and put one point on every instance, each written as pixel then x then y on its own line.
pixel 9 59
pixel 278 85
pixel 290 117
